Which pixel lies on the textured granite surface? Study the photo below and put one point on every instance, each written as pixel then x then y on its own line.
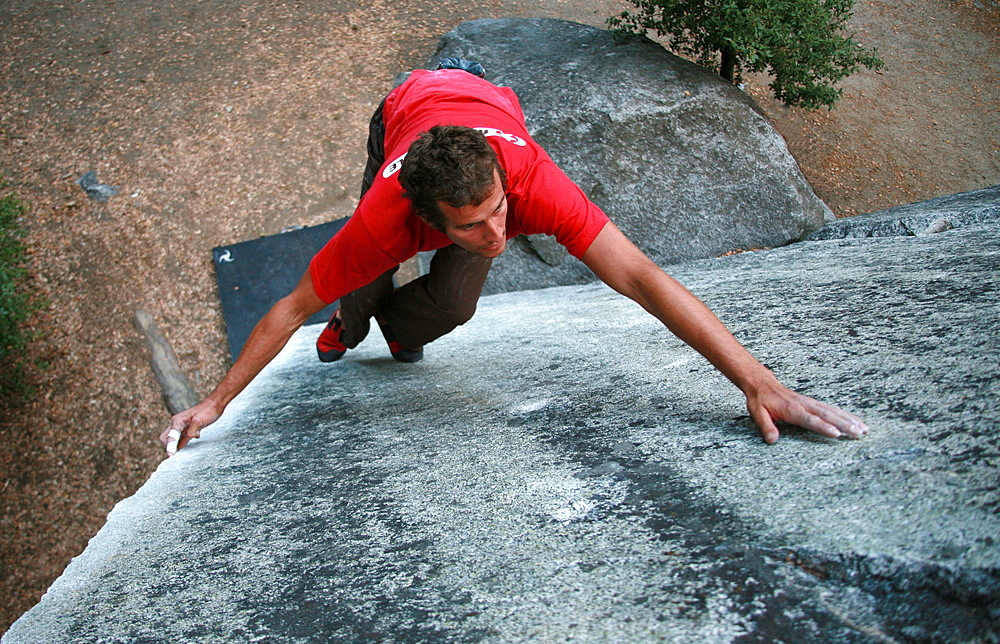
pixel 561 468
pixel 974 208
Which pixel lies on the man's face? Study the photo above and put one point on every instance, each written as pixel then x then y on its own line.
pixel 479 229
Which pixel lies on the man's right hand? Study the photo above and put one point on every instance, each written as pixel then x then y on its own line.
pixel 188 424
pixel 265 341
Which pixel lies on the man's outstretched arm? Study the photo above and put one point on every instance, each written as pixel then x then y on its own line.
pixel 264 343
pixel 625 268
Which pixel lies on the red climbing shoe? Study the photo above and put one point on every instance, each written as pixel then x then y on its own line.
pixel 398 351
pixel 328 345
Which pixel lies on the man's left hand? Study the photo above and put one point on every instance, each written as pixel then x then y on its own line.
pixel 775 402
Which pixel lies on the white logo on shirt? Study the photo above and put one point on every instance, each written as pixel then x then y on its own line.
pixel 491 131
pixel 394 167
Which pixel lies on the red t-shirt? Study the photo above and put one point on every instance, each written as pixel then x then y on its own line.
pixel 385 231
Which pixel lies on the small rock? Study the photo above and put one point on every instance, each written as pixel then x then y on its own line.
pixel 96 190
pixel 937 226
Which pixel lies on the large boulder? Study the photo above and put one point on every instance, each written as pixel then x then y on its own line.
pixel 680 159
pixel 561 469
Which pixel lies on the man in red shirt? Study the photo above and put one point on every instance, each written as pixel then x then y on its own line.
pixel 453 169
pixel 483 123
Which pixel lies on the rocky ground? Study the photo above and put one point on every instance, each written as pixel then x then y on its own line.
pixel 222 121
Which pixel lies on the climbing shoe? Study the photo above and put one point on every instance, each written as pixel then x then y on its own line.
pixel 328 345
pixel 398 351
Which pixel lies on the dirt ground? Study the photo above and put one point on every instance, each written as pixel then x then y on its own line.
pixel 224 120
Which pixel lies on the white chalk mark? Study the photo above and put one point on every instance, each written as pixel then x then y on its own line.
pixel 529 407
pixel 577 511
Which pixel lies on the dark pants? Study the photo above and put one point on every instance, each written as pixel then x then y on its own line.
pixel 426 308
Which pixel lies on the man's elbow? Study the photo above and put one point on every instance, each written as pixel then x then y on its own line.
pixel 302 302
pixel 639 279
pixel 296 310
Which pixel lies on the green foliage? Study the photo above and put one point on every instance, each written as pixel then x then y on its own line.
pixel 16 304
pixel 798 41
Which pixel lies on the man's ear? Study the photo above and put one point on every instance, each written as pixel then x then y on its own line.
pixel 436 223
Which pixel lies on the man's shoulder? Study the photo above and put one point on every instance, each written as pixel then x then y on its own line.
pixel 454 94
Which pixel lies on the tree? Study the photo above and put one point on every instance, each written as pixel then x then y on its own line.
pixel 799 42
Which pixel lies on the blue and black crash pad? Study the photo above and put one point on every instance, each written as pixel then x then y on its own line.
pixel 253 275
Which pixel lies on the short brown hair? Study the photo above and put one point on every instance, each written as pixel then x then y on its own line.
pixel 451 164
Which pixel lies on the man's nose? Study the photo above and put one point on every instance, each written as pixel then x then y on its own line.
pixel 494 230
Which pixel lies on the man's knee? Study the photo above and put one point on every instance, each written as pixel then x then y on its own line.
pixel 461 313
